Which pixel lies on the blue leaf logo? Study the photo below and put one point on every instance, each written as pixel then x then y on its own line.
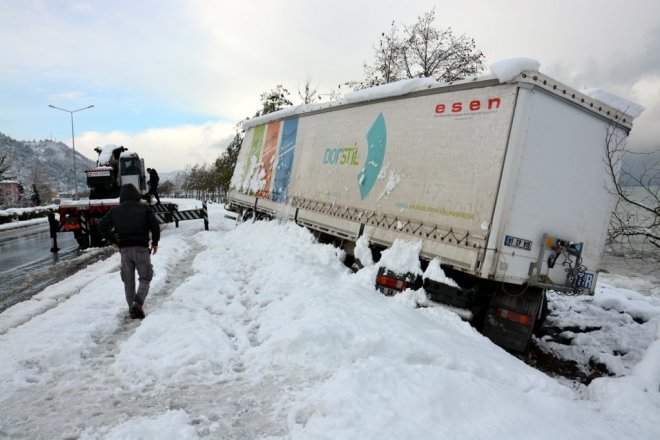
pixel 377 143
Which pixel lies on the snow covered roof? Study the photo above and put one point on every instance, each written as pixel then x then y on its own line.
pixel 621 104
pixel 106 153
pixel 505 71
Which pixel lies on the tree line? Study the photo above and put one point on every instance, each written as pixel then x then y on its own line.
pixel 403 52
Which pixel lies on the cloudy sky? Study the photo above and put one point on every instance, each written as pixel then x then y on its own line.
pixel 170 79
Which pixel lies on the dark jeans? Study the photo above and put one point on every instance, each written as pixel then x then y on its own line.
pixel 153 190
pixel 136 258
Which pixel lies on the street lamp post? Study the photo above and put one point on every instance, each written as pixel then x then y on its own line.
pixel 73 144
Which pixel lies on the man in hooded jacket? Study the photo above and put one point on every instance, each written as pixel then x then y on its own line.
pixel 128 226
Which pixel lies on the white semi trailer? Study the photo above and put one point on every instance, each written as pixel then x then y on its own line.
pixel 505 182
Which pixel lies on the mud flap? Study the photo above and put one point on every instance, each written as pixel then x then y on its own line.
pixel 511 318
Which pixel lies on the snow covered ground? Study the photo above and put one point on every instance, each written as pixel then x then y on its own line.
pixel 258 332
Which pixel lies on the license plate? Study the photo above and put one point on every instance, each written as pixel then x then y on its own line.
pixel 516 242
pixel 585 280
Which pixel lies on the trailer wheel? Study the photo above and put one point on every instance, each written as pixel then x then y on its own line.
pixel 247 215
pixel 512 316
pixel 263 217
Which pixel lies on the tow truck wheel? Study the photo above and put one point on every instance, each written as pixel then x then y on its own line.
pixel 83 241
pixel 95 238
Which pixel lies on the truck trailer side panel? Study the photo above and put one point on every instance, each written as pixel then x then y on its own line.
pixel 427 167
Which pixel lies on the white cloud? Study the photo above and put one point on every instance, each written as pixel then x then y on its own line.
pixel 645 135
pixel 204 57
pixel 166 149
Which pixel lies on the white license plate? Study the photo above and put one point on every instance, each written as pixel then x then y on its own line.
pixel 516 242
pixel 585 280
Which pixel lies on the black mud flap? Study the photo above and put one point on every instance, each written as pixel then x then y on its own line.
pixel 450 295
pixel 511 318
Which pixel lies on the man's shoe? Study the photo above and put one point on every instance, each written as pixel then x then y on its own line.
pixel 136 311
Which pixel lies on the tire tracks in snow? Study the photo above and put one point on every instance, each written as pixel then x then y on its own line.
pixel 91 395
pixel 88 400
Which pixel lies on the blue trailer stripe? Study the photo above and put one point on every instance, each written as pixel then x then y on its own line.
pixel 285 161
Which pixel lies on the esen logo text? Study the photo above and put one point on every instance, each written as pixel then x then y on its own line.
pixel 474 105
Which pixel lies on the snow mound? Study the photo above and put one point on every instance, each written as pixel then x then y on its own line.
pixel 362 251
pixel 172 425
pixel 282 114
pixel 622 104
pixel 434 272
pixel 506 70
pixel 402 257
pixel 258 331
pixel 388 90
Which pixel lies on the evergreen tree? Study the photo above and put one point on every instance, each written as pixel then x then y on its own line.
pixel 308 94
pixel 274 100
pixel 3 167
pixel 21 195
pixel 34 196
pixel 226 163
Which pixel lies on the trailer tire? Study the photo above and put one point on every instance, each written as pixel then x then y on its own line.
pixel 247 215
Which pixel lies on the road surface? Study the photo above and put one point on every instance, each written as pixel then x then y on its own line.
pixel 27 266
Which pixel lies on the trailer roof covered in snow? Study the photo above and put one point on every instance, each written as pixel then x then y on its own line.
pixel 517 70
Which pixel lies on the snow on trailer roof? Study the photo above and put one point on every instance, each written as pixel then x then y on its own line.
pixel 505 71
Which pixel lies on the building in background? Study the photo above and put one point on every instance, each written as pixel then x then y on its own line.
pixel 10 192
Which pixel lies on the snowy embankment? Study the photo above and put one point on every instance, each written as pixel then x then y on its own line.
pixel 20 217
pixel 257 331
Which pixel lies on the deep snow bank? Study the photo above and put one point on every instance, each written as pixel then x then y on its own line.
pixel 267 335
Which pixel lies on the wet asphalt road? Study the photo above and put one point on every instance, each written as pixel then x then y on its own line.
pixel 27 266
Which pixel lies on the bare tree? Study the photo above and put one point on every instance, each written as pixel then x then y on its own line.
pixel 429 51
pixel 418 51
pixel 39 183
pixel 635 223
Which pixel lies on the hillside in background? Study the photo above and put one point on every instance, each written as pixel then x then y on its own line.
pixel 53 160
